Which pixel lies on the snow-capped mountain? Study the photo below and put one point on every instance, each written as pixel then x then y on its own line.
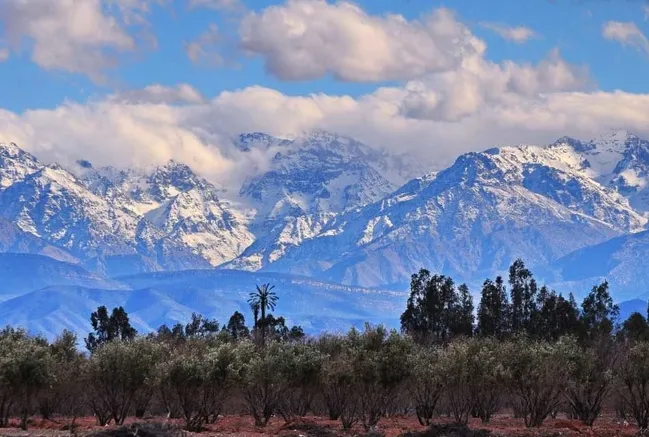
pixel 178 209
pixel 469 221
pixel 52 204
pixel 330 208
pixel 321 172
pixel 15 164
pixel 312 178
pixel 617 159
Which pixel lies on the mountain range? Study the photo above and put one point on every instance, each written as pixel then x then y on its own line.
pixel 338 224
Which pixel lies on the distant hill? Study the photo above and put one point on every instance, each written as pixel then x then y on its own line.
pixel 22 273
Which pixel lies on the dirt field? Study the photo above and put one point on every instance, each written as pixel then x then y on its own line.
pixel 242 426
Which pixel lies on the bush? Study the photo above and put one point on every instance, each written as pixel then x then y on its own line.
pixel 117 372
pixel 426 382
pixel 632 373
pixel 198 381
pixel 537 375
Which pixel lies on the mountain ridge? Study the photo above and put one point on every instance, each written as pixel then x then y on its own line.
pixel 329 208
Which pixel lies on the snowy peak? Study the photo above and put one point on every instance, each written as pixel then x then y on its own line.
pixel 177 209
pixel 174 178
pixel 15 164
pixel 53 204
pixel 208 228
pixel 321 172
pixel 253 140
pixel 616 159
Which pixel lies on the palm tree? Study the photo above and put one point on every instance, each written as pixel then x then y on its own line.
pixel 262 299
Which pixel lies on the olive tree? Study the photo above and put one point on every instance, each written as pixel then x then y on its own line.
pixel 65 395
pixel 632 372
pixel 199 380
pixel 537 373
pixel 486 375
pixel 379 369
pixel 301 375
pixel 25 371
pixel 590 378
pixel 456 374
pixel 117 372
pixel 261 378
pixel 426 382
pixel 338 389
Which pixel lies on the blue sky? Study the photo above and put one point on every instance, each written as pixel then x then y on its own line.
pixel 127 82
pixel 574 27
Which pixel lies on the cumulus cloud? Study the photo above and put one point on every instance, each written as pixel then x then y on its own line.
pixel 626 33
pixel 516 34
pixel 71 35
pixel 205 50
pixel 124 133
pixel 308 39
pixel 481 85
pixel 182 93
pixel 459 101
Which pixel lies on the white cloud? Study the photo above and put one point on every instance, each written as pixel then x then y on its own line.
pixel 308 39
pixel 4 54
pixel 516 34
pixel 155 94
pixel 645 9
pixel 228 5
pixel 78 36
pixel 626 33
pixel 123 133
pixel 205 50
pixel 483 85
pixel 459 101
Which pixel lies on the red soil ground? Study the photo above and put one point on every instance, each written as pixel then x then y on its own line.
pixel 242 426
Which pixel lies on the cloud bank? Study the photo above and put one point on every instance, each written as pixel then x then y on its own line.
pixel 451 98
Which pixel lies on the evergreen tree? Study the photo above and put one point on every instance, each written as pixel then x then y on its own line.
pixel 493 311
pixel 236 327
pixel 108 328
pixel 200 327
pixel 555 317
pixel 523 290
pixel 431 312
pixel 464 318
pixel 598 313
pixel 635 328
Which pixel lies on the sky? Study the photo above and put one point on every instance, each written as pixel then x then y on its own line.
pixel 136 82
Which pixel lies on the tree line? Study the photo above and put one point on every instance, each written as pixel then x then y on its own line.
pixel 517 355
pixel 437 311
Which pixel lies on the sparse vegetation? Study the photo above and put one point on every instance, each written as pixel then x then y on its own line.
pixel 532 350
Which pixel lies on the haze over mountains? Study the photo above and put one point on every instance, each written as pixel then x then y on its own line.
pixel 336 222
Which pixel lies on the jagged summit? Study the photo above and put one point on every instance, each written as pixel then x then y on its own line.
pixel 332 207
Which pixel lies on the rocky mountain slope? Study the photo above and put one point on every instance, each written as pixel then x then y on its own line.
pixel 336 210
pixel 469 221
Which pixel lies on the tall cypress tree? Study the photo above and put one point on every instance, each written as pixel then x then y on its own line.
pixel 598 313
pixel 523 290
pixel 556 316
pixel 493 310
pixel 464 318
